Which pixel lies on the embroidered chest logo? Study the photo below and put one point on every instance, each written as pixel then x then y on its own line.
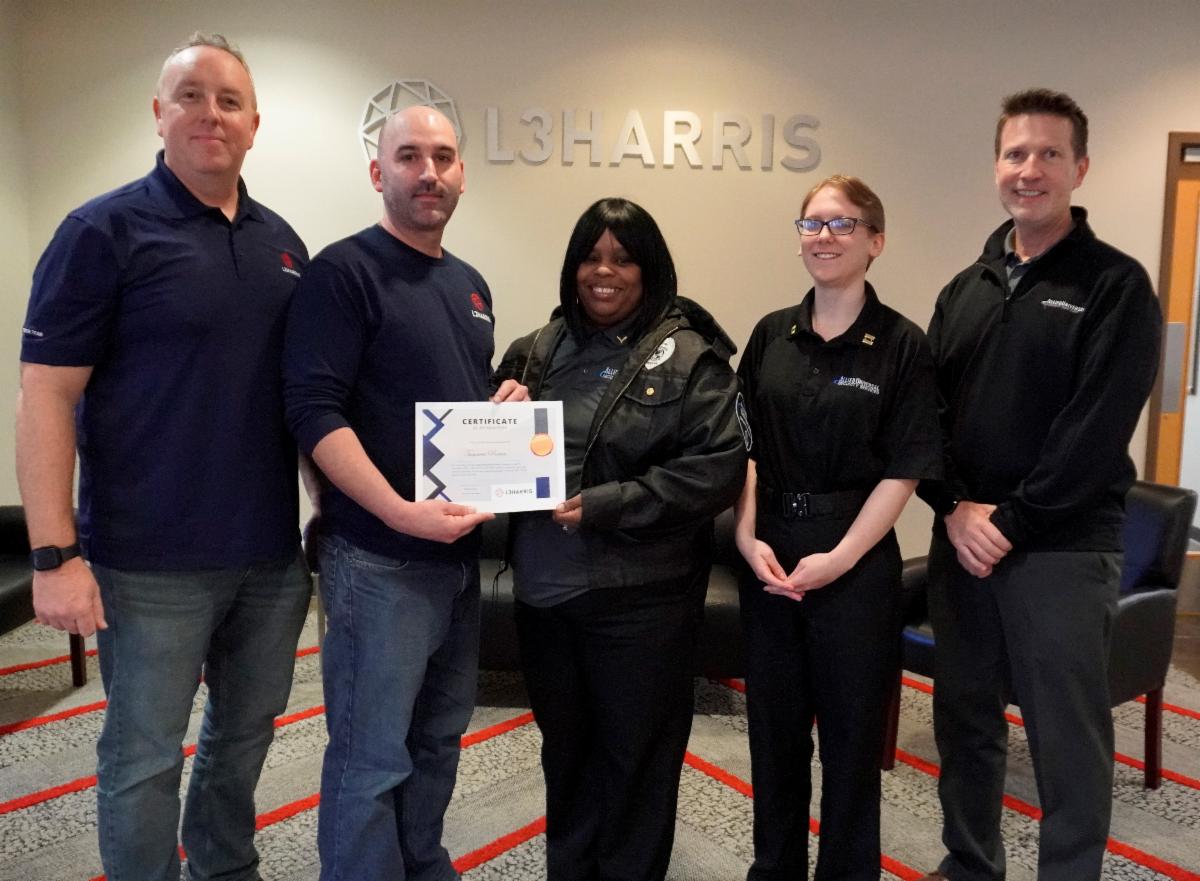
pixel 608 373
pixel 855 382
pixel 479 308
pixel 287 264
pixel 1063 305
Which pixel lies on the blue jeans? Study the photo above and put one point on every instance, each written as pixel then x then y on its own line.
pixel 400 664
pixel 237 627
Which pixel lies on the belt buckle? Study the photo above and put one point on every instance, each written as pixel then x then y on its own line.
pixel 795 506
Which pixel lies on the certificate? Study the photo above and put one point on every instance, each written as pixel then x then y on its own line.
pixel 493 457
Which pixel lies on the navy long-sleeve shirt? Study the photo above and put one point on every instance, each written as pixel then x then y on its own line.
pixel 374 327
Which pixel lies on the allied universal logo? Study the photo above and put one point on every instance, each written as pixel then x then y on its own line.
pixel 855 382
pixel 398 96
pixel 1064 305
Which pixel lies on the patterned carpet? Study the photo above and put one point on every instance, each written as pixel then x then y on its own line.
pixel 47 805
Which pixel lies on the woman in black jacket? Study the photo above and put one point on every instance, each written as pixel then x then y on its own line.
pixel 610 586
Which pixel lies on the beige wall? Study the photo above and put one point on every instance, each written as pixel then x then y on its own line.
pixel 906 93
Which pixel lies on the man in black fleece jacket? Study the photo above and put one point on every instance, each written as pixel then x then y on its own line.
pixel 1046 349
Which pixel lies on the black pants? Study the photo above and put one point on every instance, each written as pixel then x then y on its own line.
pixel 832 656
pixel 1040 623
pixel 609 675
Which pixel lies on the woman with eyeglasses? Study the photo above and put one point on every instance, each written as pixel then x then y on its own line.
pixel 842 406
pixel 610 586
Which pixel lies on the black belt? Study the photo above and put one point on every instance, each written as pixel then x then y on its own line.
pixel 806 506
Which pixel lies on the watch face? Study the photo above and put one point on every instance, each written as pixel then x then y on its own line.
pixel 50 557
pixel 46 558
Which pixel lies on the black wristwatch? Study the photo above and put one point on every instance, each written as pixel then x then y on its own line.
pixel 51 557
pixel 949 506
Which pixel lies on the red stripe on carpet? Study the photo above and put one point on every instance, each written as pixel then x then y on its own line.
pixel 907 873
pixel 25 724
pixel 91 653
pixel 82 783
pixel 285 812
pixel 503 844
pixel 1173 776
pixel 464 863
pixel 47 662
pixel 496 730
pixel 1149 861
pixel 719 774
pixel 899 869
pixel 299 716
pixel 22 725
pixel 928 689
pixel 919 763
pixel 1174 708
pixel 36 798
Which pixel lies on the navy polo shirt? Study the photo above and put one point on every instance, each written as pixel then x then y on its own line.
pixel 185 458
pixel 842 414
pixel 375 327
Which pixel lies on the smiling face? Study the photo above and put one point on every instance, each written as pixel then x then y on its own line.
pixel 609 283
pixel 1036 172
pixel 206 115
pixel 838 261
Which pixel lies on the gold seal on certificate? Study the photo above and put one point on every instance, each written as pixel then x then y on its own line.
pixel 494 457
pixel 541 444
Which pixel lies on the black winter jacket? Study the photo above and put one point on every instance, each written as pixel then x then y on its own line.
pixel 1041 388
pixel 664 454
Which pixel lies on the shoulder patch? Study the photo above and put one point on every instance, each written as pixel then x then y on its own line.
pixel 662 354
pixel 743 419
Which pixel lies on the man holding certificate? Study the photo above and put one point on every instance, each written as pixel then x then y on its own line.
pixel 382 320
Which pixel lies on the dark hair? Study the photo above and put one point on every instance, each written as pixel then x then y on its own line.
pixel 635 229
pixel 1048 103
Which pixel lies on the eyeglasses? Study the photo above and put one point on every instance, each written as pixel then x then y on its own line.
pixel 839 226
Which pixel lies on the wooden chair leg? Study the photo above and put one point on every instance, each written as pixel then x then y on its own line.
pixel 891 727
pixel 78 661
pixel 1153 751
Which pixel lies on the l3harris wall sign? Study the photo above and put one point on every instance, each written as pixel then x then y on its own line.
pixel 535 134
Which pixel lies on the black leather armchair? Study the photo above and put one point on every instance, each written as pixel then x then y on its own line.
pixel 1156 535
pixel 719 647
pixel 16 585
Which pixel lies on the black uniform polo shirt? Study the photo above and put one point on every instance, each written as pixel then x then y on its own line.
pixel 843 414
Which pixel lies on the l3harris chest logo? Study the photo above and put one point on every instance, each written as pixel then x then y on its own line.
pixel 479 308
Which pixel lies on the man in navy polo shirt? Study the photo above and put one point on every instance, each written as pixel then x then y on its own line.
pixel 152 343
pixel 383 319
